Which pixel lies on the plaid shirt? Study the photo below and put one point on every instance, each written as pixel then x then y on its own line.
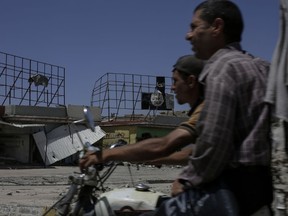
pixel 234 124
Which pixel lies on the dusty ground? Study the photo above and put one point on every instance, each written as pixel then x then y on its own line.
pixel 43 186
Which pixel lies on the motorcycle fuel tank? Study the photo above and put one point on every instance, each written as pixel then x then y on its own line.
pixel 128 200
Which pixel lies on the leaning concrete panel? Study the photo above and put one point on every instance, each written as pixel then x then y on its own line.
pixel 63 141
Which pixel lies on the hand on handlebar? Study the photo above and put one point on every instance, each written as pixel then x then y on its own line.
pixel 90 158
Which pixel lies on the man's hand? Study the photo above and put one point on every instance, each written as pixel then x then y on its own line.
pixel 177 188
pixel 90 158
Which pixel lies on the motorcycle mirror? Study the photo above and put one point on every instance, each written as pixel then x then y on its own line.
pixel 89 118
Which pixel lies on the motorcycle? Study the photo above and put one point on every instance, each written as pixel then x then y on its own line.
pixel 88 196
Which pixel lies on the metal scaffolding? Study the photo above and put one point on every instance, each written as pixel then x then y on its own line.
pixel 119 94
pixel 28 82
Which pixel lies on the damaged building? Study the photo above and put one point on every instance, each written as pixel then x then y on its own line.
pixel 36 125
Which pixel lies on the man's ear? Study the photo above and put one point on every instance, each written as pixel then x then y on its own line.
pixel 218 26
pixel 192 80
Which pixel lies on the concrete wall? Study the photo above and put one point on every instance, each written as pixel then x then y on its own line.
pixel 71 111
pixel 114 133
pixel 154 132
pixel 131 133
pixel 15 147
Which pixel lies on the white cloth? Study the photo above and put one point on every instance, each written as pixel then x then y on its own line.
pixel 277 89
pixel 277 95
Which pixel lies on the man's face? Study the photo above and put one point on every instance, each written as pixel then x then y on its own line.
pixel 181 88
pixel 199 36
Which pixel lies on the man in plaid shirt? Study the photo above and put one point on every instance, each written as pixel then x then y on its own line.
pixel 234 129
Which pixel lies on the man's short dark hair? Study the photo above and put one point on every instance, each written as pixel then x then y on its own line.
pixel 228 12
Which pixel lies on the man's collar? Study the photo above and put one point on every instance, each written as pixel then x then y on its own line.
pixel 195 105
pixel 220 52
